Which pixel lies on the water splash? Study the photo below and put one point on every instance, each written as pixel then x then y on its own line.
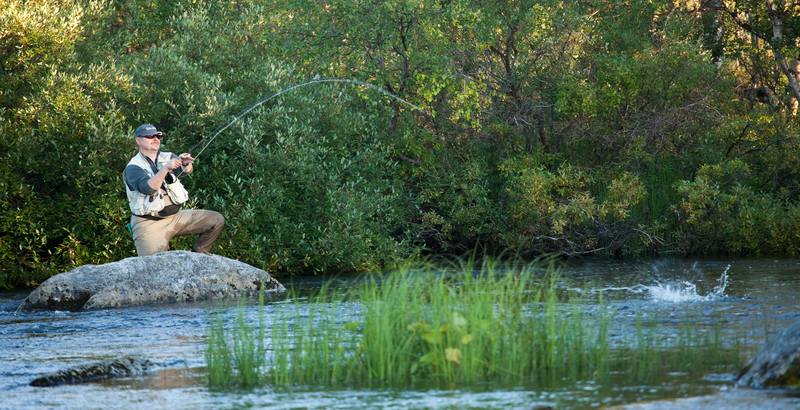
pixel 675 290
pixel 683 290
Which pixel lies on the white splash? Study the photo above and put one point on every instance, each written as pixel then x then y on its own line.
pixel 673 290
pixel 683 291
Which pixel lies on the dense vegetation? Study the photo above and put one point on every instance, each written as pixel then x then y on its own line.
pixel 611 128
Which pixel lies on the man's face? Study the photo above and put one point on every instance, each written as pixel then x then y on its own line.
pixel 149 142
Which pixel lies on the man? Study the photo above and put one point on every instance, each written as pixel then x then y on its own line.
pixel 155 196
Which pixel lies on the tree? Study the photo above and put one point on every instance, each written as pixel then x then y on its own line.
pixel 777 24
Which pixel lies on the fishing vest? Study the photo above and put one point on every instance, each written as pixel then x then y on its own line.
pixel 142 204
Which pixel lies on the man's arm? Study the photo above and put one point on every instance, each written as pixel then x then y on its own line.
pixel 137 180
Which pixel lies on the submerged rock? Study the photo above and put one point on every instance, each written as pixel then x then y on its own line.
pixel 777 364
pixel 11 306
pixel 168 277
pixel 120 367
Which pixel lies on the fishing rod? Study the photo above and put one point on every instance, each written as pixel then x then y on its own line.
pixel 214 134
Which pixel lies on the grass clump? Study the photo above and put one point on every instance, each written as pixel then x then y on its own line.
pixel 236 360
pixel 504 323
pixel 515 323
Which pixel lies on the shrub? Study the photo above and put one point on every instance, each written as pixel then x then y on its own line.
pixel 556 210
pixel 60 147
pixel 719 212
pixel 307 186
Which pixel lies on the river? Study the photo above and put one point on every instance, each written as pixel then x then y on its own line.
pixel 758 294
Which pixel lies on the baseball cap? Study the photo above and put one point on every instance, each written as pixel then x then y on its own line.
pixel 147 129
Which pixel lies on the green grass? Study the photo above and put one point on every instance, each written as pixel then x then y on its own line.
pixel 514 324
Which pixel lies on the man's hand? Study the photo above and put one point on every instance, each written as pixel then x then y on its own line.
pixel 186 158
pixel 173 164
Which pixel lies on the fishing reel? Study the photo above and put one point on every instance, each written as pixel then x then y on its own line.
pixel 170 178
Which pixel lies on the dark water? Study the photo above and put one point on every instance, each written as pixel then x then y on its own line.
pixel 759 294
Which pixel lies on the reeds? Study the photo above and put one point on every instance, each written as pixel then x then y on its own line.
pixel 518 324
pixel 237 360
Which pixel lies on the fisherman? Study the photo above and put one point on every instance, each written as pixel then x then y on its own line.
pixel 155 195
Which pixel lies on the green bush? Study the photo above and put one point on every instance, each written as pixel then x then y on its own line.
pixel 567 127
pixel 556 211
pixel 456 204
pixel 719 212
pixel 308 186
pixel 60 148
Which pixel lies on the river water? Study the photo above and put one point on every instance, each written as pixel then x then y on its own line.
pixel 757 294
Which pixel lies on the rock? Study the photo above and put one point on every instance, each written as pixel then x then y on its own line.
pixel 168 277
pixel 777 364
pixel 120 367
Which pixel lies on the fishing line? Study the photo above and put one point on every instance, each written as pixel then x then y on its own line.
pixel 214 134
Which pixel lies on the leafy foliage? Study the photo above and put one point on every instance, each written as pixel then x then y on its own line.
pixel 60 148
pixel 579 128
pixel 303 195
pixel 719 204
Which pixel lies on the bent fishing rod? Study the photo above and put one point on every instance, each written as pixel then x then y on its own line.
pixel 214 134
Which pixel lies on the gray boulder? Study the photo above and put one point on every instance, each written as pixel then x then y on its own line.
pixel 168 277
pixel 777 364
pixel 120 367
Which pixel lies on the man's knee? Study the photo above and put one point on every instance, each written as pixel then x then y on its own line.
pixel 216 219
pixel 211 220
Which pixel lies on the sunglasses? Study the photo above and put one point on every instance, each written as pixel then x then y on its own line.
pixel 159 136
